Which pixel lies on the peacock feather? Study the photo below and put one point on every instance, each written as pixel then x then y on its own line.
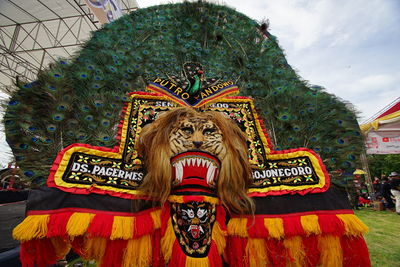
pixel 78 100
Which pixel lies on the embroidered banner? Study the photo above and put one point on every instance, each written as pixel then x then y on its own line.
pixel 82 169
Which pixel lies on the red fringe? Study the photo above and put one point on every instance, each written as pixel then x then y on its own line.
pixel 57 225
pixel 292 226
pixel 114 253
pixel 158 260
pixel 101 225
pixel 355 252
pixel 277 253
pixel 165 215
pixel 330 224
pixel 214 258
pixel 143 225
pixel 256 227
pixel 221 217
pixel 77 246
pixel 310 245
pixel 37 252
pixel 178 257
pixel 235 251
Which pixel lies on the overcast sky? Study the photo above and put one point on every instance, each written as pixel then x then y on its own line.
pixel 350 47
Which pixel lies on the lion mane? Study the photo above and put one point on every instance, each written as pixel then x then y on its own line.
pixel 235 174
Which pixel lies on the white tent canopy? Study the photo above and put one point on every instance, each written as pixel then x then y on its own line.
pixel 383 132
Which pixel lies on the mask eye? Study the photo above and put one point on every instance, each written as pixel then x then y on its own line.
pixel 187 130
pixel 208 131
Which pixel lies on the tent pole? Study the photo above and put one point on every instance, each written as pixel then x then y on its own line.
pixel 368 180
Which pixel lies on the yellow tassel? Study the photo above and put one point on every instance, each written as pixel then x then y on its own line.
pixel 295 247
pixel 181 199
pixel 197 262
pixel 238 227
pixel 212 200
pixel 310 224
pixel 122 227
pixel 138 252
pixel 256 252
pixel 61 246
pixel 352 224
pixel 94 248
pixel 156 216
pixel 219 237
pixel 175 199
pixel 78 223
pixel 275 227
pixel 34 226
pixel 331 251
pixel 167 241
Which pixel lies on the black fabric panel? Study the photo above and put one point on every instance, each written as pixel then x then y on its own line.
pixel 332 199
pixel 46 198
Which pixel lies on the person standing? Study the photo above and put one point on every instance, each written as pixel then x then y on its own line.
pixel 386 193
pixel 395 189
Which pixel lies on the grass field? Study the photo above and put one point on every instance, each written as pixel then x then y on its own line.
pixel 383 239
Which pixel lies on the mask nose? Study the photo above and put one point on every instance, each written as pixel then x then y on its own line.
pixel 197 144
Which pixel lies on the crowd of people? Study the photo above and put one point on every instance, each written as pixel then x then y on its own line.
pixel 386 190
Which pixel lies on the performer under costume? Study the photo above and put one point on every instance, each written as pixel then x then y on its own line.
pixel 191 177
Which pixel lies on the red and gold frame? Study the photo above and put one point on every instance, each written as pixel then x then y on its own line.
pixel 119 171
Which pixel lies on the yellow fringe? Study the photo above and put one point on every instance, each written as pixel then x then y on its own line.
pixel 275 227
pixel 156 216
pixel 175 199
pixel 34 226
pixel 331 251
pixel 61 246
pixel 181 199
pixel 197 262
pixel 94 249
pixel 310 224
pixel 256 252
pixel 352 224
pixel 78 223
pixel 138 252
pixel 122 227
pixel 219 237
pixel 167 241
pixel 238 227
pixel 295 247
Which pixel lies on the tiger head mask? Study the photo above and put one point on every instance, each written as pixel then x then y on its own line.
pixel 170 142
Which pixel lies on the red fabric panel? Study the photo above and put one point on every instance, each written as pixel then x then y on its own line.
pixel 256 227
pixel 57 225
pixel 101 225
pixel 330 224
pixel 292 226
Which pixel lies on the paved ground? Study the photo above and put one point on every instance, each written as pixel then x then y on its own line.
pixel 11 214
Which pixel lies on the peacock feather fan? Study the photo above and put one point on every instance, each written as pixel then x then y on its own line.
pixel 79 100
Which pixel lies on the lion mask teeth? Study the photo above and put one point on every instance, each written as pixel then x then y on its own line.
pixel 195 164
